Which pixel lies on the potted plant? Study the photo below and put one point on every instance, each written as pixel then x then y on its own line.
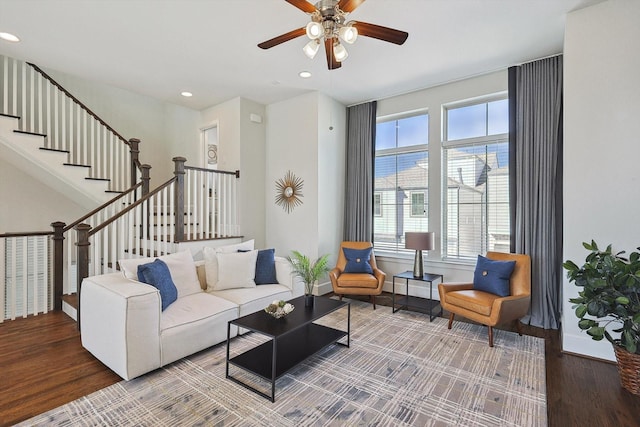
pixel 308 271
pixel 609 302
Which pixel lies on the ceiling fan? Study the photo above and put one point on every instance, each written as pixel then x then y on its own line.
pixel 328 24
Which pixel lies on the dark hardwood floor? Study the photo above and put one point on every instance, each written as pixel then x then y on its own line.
pixel 43 365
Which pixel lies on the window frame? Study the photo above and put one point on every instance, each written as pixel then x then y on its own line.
pixel 400 252
pixel 464 143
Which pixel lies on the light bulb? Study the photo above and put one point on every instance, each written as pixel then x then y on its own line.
pixel 314 30
pixel 340 52
pixel 311 48
pixel 348 33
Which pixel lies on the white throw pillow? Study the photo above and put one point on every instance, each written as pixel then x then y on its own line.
pixel 236 270
pixel 210 267
pixel 211 261
pixel 249 245
pixel 181 267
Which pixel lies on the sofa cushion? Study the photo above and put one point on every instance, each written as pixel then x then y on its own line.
pixel 181 266
pixel 157 274
pixel 493 276
pixel 357 260
pixel 194 323
pixel 236 270
pixel 256 299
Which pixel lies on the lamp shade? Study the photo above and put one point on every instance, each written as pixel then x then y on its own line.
pixel 419 240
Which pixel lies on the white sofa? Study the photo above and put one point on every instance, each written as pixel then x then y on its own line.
pixel 123 325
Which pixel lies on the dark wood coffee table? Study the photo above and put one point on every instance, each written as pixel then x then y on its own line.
pixel 294 338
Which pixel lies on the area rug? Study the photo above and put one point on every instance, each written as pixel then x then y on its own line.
pixel 400 370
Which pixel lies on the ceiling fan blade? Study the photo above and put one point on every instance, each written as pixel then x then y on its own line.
pixel 381 33
pixel 332 63
pixel 303 5
pixel 282 38
pixel 349 5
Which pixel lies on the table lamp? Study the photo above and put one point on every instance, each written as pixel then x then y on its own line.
pixel 420 241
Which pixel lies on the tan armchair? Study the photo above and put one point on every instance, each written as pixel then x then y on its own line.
pixel 356 283
pixel 490 309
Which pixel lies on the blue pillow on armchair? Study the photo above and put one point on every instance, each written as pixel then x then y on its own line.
pixel 357 260
pixel 493 276
pixel 157 274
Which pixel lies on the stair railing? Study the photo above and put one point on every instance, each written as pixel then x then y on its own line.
pixel 48 109
pixel 154 224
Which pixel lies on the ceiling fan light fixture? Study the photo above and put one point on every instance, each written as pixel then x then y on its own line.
pixel 315 30
pixel 311 48
pixel 339 52
pixel 348 33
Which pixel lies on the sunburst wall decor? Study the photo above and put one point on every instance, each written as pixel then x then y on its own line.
pixel 289 191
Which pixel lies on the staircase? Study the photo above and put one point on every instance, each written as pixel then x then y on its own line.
pixel 49 133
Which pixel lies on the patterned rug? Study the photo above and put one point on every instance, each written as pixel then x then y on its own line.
pixel 401 370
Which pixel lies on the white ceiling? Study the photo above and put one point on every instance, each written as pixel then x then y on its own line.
pixel 162 47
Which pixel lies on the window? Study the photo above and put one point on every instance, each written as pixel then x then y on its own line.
pixel 476 179
pixel 377 204
pixel 418 204
pixel 401 172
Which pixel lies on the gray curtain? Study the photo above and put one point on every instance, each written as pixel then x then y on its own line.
pixel 360 157
pixel 536 150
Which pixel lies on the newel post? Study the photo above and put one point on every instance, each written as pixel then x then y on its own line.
pixel 58 263
pixel 146 177
pixel 83 259
pixel 179 198
pixel 134 150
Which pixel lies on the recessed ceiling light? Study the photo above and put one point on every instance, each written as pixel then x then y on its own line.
pixel 186 94
pixel 304 74
pixel 9 37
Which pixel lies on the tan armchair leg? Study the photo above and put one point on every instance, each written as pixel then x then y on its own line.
pixel 451 316
pixel 373 300
pixel 490 336
pixel 340 297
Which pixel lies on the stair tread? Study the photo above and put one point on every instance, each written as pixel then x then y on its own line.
pixel 54 149
pixel 98 179
pixel 30 133
pixel 10 116
pixel 77 165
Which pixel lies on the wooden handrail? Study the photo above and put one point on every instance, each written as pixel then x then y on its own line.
pixel 129 208
pixel 102 206
pixel 25 234
pixel 194 168
pixel 84 107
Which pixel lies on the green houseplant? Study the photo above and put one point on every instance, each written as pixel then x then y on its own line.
pixel 610 296
pixel 308 271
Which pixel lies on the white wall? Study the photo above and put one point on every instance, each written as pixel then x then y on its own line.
pixel 165 130
pixel 431 100
pixel 28 205
pixel 601 143
pixel 242 146
pixel 299 139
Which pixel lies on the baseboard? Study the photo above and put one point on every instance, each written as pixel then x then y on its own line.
pixel 69 310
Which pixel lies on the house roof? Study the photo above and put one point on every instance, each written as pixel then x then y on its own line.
pixel 161 48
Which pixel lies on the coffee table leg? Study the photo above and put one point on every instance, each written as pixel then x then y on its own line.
pixel 228 342
pixel 273 371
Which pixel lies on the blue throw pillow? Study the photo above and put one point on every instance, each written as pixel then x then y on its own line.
pixel 493 276
pixel 357 260
pixel 157 274
pixel 265 267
